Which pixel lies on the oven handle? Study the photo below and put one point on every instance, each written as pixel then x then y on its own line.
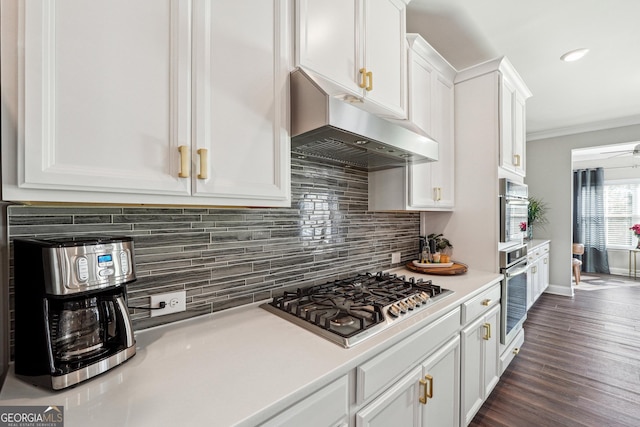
pixel 513 272
pixel 521 202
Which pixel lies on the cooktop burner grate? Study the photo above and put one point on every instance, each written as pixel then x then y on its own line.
pixel 347 311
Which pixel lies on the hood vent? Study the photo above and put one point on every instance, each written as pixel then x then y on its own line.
pixel 328 128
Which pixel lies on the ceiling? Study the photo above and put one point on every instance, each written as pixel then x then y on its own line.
pixel 602 90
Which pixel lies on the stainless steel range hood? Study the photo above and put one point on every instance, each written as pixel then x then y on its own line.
pixel 328 128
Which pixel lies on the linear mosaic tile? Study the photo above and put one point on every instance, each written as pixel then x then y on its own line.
pixel 230 257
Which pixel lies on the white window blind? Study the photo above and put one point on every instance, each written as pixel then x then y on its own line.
pixel 622 210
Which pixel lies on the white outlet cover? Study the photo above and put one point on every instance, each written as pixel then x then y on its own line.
pixel 395 257
pixel 181 305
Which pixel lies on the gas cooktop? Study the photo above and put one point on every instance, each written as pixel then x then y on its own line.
pixel 350 310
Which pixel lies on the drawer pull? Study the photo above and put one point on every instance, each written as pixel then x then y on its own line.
pixel 516 350
pixel 184 161
pixel 487 302
pixel 487 331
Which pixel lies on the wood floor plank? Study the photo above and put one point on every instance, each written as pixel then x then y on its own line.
pixel 579 365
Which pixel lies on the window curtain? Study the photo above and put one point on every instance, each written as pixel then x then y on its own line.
pixel 588 219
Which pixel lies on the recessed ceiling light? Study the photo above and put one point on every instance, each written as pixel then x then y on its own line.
pixel 574 55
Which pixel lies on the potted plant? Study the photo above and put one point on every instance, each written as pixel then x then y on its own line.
pixel 537 214
pixel 438 244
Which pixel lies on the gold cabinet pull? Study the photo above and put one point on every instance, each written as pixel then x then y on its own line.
pixel 370 79
pixel 487 331
pixel 184 161
pixel 363 83
pixel 516 351
pixel 204 163
pixel 437 194
pixel 427 389
pixel 423 387
pixel 516 160
pixel 487 302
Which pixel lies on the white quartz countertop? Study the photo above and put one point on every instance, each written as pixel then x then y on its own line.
pixel 236 367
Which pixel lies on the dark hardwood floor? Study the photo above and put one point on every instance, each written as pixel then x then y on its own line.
pixel 579 365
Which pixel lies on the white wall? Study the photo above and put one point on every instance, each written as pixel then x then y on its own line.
pixel 549 176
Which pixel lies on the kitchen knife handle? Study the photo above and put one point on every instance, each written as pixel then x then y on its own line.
pixel 204 163
pixel 184 161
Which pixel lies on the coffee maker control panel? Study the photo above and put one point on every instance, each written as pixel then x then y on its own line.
pixel 80 266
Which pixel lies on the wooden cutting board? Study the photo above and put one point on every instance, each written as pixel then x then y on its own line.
pixel 456 268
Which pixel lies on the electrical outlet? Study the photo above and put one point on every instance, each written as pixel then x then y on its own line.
pixel 395 257
pixel 174 303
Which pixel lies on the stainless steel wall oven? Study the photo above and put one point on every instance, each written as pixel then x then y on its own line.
pixel 514 207
pixel 513 264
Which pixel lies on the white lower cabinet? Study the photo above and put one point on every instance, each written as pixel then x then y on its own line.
pixel 429 394
pixel 480 369
pixel 436 385
pixel 537 273
pixel 328 407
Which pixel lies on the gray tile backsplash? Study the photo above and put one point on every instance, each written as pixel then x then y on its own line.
pixel 225 258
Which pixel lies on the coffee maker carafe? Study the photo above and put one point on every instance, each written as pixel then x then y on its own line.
pixel 71 316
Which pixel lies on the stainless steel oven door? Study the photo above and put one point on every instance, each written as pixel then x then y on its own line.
pixel 514 300
pixel 513 213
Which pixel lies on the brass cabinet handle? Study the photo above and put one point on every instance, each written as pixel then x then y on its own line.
pixel 423 397
pixel 487 331
pixel 516 160
pixel 370 78
pixel 487 302
pixel 437 194
pixel 534 269
pixel 204 163
pixel 427 392
pixel 545 260
pixel 516 351
pixel 363 84
pixel 184 161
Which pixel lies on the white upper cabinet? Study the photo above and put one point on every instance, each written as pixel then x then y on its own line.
pixel 356 50
pixel 106 96
pixel 513 95
pixel 153 101
pixel 241 102
pixel 425 186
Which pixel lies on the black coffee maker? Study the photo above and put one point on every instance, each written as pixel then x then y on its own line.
pixel 71 316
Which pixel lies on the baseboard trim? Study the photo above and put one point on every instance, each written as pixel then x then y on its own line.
pixel 560 290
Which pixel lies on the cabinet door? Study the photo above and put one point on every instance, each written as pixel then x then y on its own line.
pixel 531 291
pixel 327 34
pixel 241 97
pixel 443 172
pixel 106 96
pixel 507 100
pixel 398 406
pixel 491 350
pixel 420 77
pixel 385 55
pixel 544 274
pixel 480 362
pixel 441 372
pixel 519 134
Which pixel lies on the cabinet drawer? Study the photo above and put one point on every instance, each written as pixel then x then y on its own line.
pixel 376 374
pixel 511 351
pixel 481 303
pixel 327 407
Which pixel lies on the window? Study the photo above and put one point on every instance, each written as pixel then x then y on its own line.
pixel 622 210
